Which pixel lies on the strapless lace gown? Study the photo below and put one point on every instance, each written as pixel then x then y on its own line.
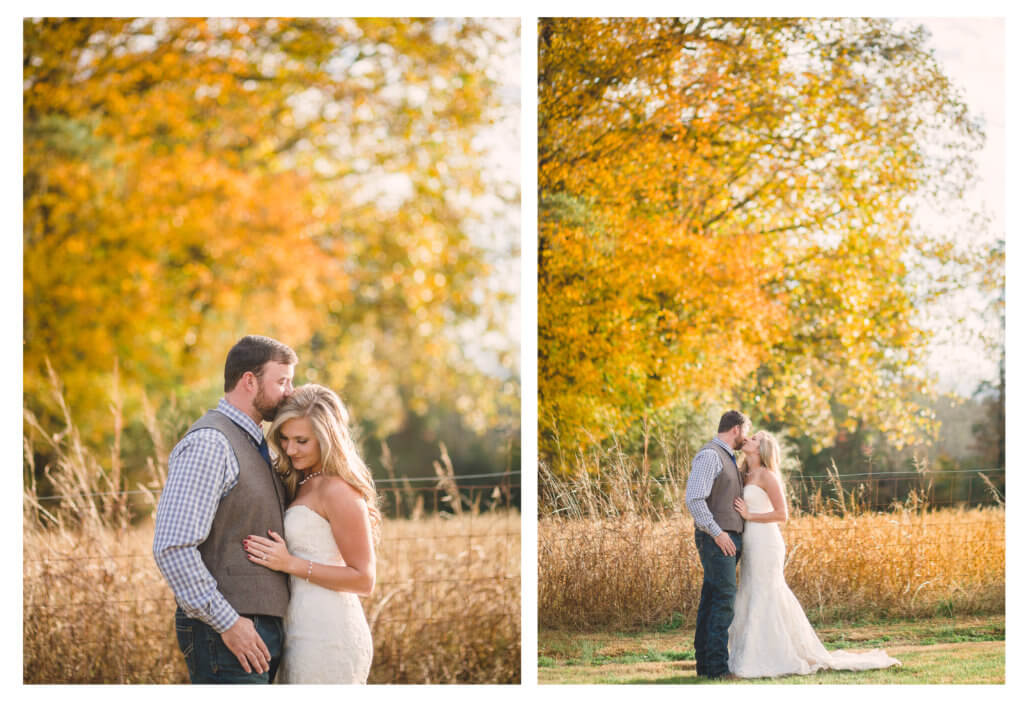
pixel 326 637
pixel 770 635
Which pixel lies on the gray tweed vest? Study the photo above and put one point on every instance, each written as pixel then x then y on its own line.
pixel 724 491
pixel 253 506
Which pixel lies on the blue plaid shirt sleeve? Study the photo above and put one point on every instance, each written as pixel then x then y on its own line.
pixel 201 469
pixel 705 468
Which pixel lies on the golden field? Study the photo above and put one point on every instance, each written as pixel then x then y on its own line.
pixel 446 607
pixel 634 571
pixel 616 550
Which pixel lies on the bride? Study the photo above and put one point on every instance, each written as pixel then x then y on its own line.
pixel 770 635
pixel 331 522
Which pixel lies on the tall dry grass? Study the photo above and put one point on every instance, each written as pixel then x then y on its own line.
pixel 447 604
pixel 616 550
pixel 446 608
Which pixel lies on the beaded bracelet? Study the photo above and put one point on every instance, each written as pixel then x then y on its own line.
pixel 309 572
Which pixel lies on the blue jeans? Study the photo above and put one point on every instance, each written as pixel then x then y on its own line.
pixel 714 614
pixel 210 661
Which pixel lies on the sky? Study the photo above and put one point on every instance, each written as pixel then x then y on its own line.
pixel 499 232
pixel 972 50
pixel 972 53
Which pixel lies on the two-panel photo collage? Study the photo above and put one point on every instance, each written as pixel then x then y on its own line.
pixel 522 352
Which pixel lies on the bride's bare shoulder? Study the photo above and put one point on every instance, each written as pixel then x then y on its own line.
pixel 771 481
pixel 337 489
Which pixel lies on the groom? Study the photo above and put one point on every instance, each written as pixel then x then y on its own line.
pixel 221 488
pixel 714 484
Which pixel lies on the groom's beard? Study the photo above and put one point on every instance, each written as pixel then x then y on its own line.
pixel 267 410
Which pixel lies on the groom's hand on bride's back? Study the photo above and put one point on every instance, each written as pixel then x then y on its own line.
pixel 247 645
pixel 725 543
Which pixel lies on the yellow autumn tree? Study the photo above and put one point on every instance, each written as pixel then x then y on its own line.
pixel 187 181
pixel 725 212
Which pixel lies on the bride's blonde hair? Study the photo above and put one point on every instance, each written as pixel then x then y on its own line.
pixel 329 418
pixel 769 452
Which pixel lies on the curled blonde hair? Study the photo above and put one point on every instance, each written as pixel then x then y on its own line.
pixel 329 418
pixel 769 452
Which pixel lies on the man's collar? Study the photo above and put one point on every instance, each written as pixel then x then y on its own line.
pixel 723 444
pixel 241 418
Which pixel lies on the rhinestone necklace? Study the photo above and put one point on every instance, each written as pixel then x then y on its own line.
pixel 310 476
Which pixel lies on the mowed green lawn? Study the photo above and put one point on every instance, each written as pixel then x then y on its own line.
pixel 969 650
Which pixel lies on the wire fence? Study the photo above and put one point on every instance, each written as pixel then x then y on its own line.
pixel 447 500
pixel 504 482
pixel 883 490
pixel 635 492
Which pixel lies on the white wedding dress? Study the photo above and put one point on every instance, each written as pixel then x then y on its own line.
pixel 770 635
pixel 326 637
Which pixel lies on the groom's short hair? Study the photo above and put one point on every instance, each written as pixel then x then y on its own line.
pixel 250 354
pixel 731 419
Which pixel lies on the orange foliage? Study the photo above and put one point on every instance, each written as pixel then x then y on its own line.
pixel 189 181
pixel 724 214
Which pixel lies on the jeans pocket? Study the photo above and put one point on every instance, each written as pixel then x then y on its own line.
pixel 220 656
pixel 187 643
pixel 226 667
pixel 271 632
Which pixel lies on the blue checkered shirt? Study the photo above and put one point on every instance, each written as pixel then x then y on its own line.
pixel 706 467
pixel 201 470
